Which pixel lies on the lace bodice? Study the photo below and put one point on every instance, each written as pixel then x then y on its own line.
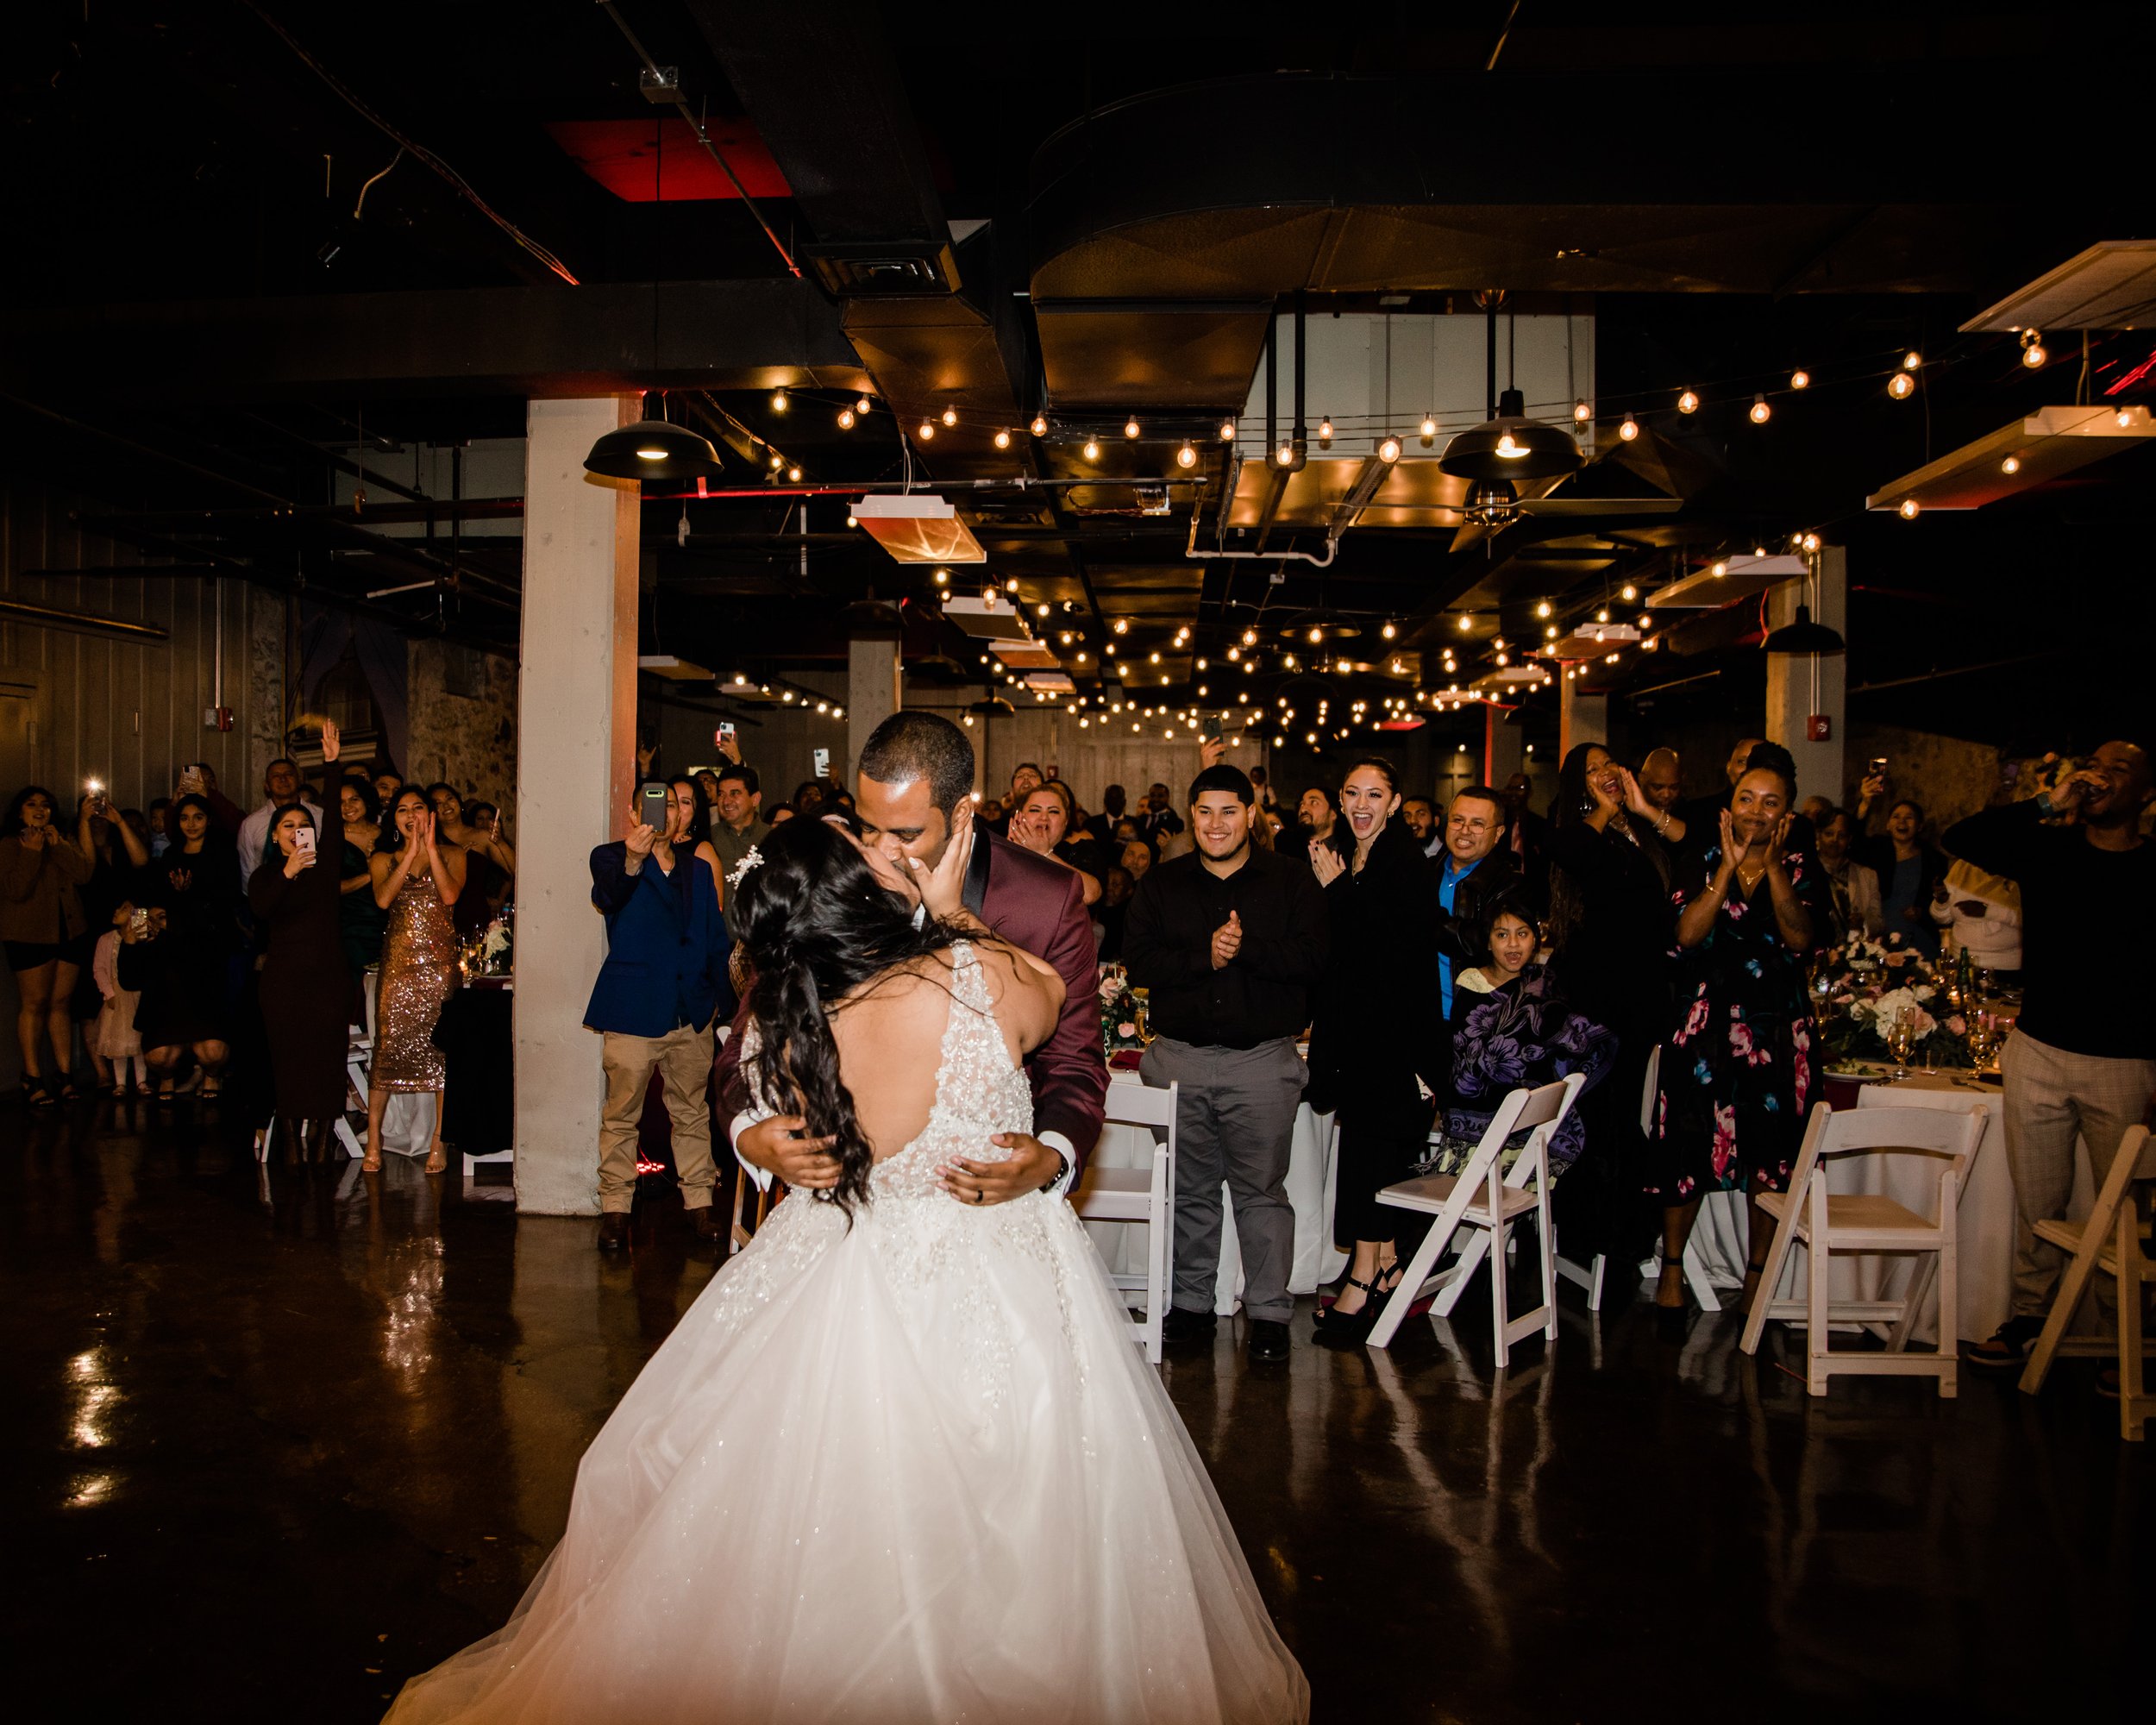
pixel 980 1090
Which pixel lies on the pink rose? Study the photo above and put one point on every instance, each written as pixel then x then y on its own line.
pixel 1725 1152
pixel 1958 1025
pixel 1126 1029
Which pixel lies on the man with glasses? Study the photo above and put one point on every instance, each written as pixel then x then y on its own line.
pixel 1472 873
pixel 658 995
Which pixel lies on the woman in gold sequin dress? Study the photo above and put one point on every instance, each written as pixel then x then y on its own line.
pixel 418 876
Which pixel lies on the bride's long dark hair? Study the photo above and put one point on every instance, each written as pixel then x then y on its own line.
pixel 814 922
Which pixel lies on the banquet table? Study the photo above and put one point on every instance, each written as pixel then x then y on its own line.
pixel 1985 1234
pixel 1310 1177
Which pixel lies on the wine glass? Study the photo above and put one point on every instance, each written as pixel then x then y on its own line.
pixel 1901 1041
pixel 1142 1014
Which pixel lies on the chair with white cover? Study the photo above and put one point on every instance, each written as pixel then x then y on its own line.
pixel 1481 1197
pixel 2109 1242
pixel 1146 1193
pixel 1839 1224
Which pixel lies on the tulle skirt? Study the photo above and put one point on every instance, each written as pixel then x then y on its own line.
pixel 915 1472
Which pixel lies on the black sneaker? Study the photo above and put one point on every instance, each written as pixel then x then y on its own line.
pixel 1268 1340
pixel 2008 1349
pixel 1178 1326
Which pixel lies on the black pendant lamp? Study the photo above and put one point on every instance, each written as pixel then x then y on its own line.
pixel 653 451
pixel 1801 635
pixel 1511 448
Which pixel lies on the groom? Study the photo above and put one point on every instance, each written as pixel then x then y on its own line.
pixel 915 780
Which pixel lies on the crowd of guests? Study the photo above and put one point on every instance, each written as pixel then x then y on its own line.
pixel 201 947
pixel 1444 955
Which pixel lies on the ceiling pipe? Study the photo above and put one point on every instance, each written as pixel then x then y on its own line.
pixel 81 621
pixel 1332 549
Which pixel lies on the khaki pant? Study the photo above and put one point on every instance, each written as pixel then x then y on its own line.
pixel 2052 1095
pixel 683 1058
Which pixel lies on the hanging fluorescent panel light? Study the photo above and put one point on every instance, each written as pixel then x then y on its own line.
pixel 919 528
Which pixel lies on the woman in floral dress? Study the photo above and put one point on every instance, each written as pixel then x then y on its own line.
pixel 1736 1076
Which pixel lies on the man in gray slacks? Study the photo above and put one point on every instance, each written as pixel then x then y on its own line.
pixel 1229 941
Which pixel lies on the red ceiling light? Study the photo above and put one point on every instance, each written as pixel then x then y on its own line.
pixel 617 154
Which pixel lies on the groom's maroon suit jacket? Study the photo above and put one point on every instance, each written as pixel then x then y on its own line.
pixel 1036 904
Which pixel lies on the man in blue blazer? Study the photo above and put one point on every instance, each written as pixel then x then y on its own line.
pixel 663 988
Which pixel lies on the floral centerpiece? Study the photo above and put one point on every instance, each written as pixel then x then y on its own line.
pixel 1122 1011
pixel 493 952
pixel 1860 987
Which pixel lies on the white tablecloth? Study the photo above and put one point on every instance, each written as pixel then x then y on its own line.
pixel 1986 1211
pixel 1310 1174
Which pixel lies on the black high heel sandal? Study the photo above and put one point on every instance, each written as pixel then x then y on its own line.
pixel 1351 1325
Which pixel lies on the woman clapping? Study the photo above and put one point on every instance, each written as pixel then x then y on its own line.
pixel 1736 1075
pixel 418 877
pixel 1376 1030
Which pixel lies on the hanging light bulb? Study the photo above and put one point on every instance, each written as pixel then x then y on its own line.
pixel 1760 411
pixel 1186 457
pixel 1628 593
pixel 1002 438
pixel 793 475
pixel 1911 360
pixel 941 577
pixel 1687 402
pixel 1011 586
pixel 1390 630
pixel 1582 413
pixel 779 401
pixel 1316 636
pixel 2125 417
pixel 1800 379
pixel 1542 607
pixel 1467 621
pixel 1227 430
pixel 1428 429
pixel 1123 625
pixel 1602 616
pixel 950 416
pixel 1551 633
pixel 1092 450
pixel 2033 353
pixel 1325 434
pixel 845 419
pixel 1900 385
pixel 1629 429
pixel 1811 541
pixel 926 431
pixel 1910 509
pixel 1249 637
pixel 1040 425
pixel 777 462
pixel 1510 447
pixel 1131 428
pixel 1285 456
pixel 1720 567
pixel 1504 658
pixel 2012 464
pixel 861 406
pixel 1388 451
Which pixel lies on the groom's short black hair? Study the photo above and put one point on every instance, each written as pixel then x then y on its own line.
pixel 1223 777
pixel 921 745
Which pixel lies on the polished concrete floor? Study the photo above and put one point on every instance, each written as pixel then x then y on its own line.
pixel 271 1443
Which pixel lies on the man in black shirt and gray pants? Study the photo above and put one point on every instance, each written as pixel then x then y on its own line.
pixel 1229 941
pixel 2082 1055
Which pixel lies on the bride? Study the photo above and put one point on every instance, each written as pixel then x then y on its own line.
pixel 900 1461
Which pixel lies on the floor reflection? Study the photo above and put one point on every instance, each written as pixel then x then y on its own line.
pixel 303 1431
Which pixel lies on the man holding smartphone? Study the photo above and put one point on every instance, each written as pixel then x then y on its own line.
pixel 661 989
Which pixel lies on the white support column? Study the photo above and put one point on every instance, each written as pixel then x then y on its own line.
pixel 576 759
pixel 1504 747
pixel 1803 689
pixel 873 686
pixel 1581 718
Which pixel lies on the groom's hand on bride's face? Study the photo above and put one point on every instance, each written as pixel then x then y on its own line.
pixel 777 1146
pixel 1032 1164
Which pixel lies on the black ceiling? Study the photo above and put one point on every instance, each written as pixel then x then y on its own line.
pixel 199 325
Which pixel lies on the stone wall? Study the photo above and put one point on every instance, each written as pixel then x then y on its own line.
pixel 1950 775
pixel 464 721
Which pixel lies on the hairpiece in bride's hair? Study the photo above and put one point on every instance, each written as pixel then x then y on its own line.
pixel 741 869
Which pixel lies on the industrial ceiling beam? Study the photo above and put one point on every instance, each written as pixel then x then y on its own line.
pixel 598 339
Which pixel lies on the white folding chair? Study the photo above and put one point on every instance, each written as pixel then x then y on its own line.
pixel 2110 1241
pixel 1831 1224
pixel 1146 1193
pixel 1479 1196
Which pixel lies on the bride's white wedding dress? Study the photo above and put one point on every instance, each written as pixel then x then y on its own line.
pixel 912 1471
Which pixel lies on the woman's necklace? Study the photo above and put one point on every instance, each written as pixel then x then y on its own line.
pixel 1749 878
